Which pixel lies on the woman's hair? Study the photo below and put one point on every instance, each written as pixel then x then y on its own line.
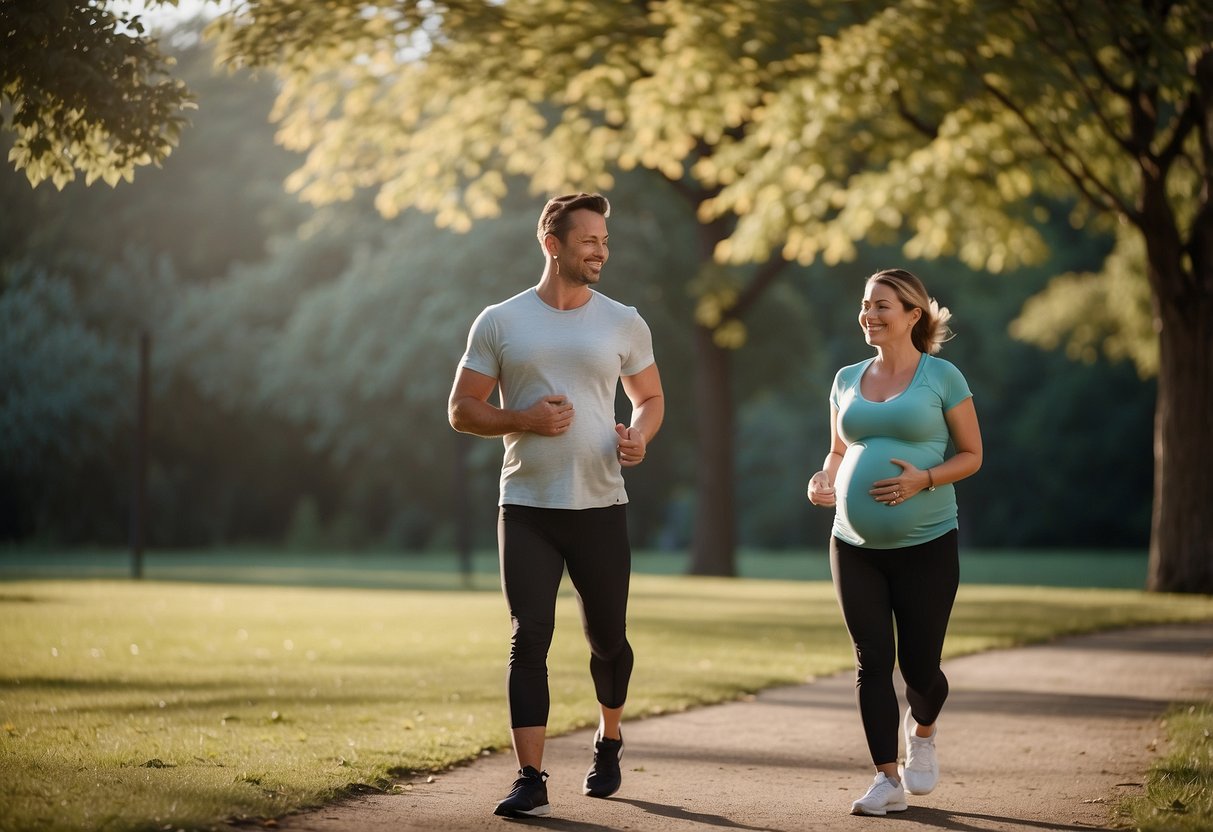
pixel 931 329
pixel 556 217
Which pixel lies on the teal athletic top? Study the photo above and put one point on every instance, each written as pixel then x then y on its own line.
pixel 911 427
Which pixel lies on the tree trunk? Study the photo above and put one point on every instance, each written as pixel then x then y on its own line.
pixel 1181 278
pixel 714 540
pixel 1181 534
pixel 1181 538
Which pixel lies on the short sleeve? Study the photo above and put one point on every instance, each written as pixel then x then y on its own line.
pixel 951 385
pixel 639 348
pixel 836 389
pixel 482 353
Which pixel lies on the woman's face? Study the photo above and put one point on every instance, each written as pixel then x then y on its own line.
pixel 882 317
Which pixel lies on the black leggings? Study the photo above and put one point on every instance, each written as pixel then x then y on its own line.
pixel 914 587
pixel 535 545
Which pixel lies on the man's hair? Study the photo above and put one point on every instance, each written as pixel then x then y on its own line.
pixel 556 216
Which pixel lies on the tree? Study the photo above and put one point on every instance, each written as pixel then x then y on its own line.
pixel 790 130
pixel 85 270
pixel 794 131
pixel 435 106
pixel 65 388
pixel 948 120
pixel 84 90
pixel 963 116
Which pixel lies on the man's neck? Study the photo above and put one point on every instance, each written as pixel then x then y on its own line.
pixel 562 294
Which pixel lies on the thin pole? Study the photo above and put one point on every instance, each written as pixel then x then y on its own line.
pixel 139 502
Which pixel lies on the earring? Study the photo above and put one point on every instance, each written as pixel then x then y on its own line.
pixel 557 262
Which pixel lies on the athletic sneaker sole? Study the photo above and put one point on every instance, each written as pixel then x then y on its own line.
pixel 538 812
pixel 878 813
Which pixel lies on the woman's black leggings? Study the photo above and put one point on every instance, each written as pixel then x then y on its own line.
pixel 535 545
pixel 913 587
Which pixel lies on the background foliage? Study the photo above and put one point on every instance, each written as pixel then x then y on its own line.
pixel 82 91
pixel 302 356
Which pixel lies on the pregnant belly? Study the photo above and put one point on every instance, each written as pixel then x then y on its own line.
pixel 876 524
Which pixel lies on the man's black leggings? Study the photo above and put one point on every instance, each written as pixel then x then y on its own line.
pixel 913 587
pixel 535 546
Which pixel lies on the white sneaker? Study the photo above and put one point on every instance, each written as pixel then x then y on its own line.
pixel 883 796
pixel 921 770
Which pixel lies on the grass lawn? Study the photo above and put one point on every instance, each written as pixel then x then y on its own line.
pixel 137 705
pixel 1179 787
pixel 1108 569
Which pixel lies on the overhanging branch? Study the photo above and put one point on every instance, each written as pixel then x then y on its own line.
pixel 762 278
pixel 1104 78
pixel 930 131
pixel 1080 79
pixel 1089 185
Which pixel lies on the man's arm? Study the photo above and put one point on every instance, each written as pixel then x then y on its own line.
pixel 469 411
pixel 648 411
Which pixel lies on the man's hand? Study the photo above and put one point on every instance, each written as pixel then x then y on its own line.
pixel 631 446
pixel 550 416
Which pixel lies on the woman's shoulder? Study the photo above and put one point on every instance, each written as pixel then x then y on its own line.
pixel 851 373
pixel 941 367
pixel 947 380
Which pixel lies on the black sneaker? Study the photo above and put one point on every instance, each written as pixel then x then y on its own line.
pixel 528 798
pixel 603 778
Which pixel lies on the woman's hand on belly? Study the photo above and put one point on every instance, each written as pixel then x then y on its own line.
pixel 900 488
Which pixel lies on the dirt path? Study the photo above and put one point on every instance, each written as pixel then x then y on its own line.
pixel 1037 738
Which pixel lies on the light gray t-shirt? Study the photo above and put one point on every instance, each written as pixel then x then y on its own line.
pixel 534 350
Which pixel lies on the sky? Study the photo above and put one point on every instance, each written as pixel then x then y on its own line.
pixel 166 16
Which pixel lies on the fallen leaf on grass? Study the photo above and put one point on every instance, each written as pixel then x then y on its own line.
pixel 364 788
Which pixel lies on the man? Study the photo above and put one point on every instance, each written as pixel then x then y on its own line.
pixel 557 352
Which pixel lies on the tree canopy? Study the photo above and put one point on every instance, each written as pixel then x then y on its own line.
pixel 969 119
pixel 799 132
pixel 85 91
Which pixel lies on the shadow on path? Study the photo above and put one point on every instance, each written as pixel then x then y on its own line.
pixel 956 821
pixel 1063 704
pixel 678 813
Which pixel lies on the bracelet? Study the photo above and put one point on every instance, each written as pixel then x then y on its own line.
pixel 930 481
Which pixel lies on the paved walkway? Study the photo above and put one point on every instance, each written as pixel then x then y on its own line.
pixel 1038 738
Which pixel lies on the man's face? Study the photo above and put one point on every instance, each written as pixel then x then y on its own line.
pixel 584 250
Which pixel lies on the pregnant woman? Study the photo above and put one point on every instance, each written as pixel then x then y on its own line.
pixel 893 548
